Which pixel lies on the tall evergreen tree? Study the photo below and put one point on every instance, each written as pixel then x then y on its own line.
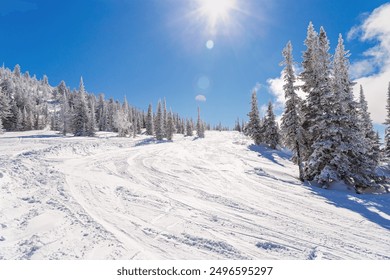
pixel 5 107
pixel 271 134
pixel 189 127
pixel 320 120
pixel 367 129
pixel 170 126
pixel 91 122
pixel 159 125
pixel 81 113
pixel 165 117
pixel 65 114
pixel 253 128
pixel 291 123
pixel 149 121
pixel 200 129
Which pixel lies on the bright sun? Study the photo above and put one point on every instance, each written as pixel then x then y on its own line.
pixel 216 10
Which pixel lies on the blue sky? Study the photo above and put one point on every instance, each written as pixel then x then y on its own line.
pixel 150 49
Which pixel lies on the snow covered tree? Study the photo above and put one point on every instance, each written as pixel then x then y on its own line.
pixel 291 123
pixel 165 117
pixel 17 71
pixel 81 113
pixel 320 121
pixel 309 77
pixel 65 113
pixel 170 126
pixel 5 107
pixel 101 113
pixel 91 122
pixel 189 127
pixel 387 123
pixel 159 125
pixel 200 126
pixel 149 121
pixel 367 129
pixel 121 123
pixel 253 128
pixel 271 134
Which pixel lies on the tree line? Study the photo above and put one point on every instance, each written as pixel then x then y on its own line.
pixel 27 103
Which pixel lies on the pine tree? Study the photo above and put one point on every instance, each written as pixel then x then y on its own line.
pixel 5 107
pixel 81 113
pixel 101 113
pixel 200 126
pixel 159 129
pixel 189 128
pixel 91 122
pixel 387 123
pixel 310 86
pixel 271 134
pixel 17 71
pixel 149 121
pixel 367 129
pixel 320 120
pixel 253 128
pixel 291 123
pixel 170 126
pixel 65 114
pixel 120 123
pixel 165 118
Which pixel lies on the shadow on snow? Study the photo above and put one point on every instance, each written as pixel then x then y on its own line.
pixel 269 153
pixel 375 208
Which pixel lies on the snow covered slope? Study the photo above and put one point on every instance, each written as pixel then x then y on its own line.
pixel 215 198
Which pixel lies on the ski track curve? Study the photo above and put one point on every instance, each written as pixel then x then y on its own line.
pixel 212 198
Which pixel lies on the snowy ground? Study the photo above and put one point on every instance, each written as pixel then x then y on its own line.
pixel 213 198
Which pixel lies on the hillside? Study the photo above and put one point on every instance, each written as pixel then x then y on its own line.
pixel 215 198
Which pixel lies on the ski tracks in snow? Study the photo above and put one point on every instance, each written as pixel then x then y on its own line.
pixel 212 198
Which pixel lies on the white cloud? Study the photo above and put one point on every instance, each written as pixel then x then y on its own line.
pixel 373 72
pixel 257 87
pixel 275 87
pixel 200 98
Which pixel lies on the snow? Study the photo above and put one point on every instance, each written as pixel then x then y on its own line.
pixel 220 197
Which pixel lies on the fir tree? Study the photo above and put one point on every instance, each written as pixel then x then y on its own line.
pixel 271 134
pixel 189 128
pixel 253 128
pixel 159 125
pixel 149 121
pixel 320 120
pixel 367 129
pixel 91 122
pixel 200 126
pixel 165 118
pixel 170 126
pixel 65 114
pixel 81 113
pixel 291 123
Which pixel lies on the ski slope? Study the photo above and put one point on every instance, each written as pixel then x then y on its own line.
pixel 215 198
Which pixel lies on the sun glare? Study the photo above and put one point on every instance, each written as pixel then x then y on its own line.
pixel 216 10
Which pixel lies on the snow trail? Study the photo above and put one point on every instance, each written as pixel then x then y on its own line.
pixel 219 197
